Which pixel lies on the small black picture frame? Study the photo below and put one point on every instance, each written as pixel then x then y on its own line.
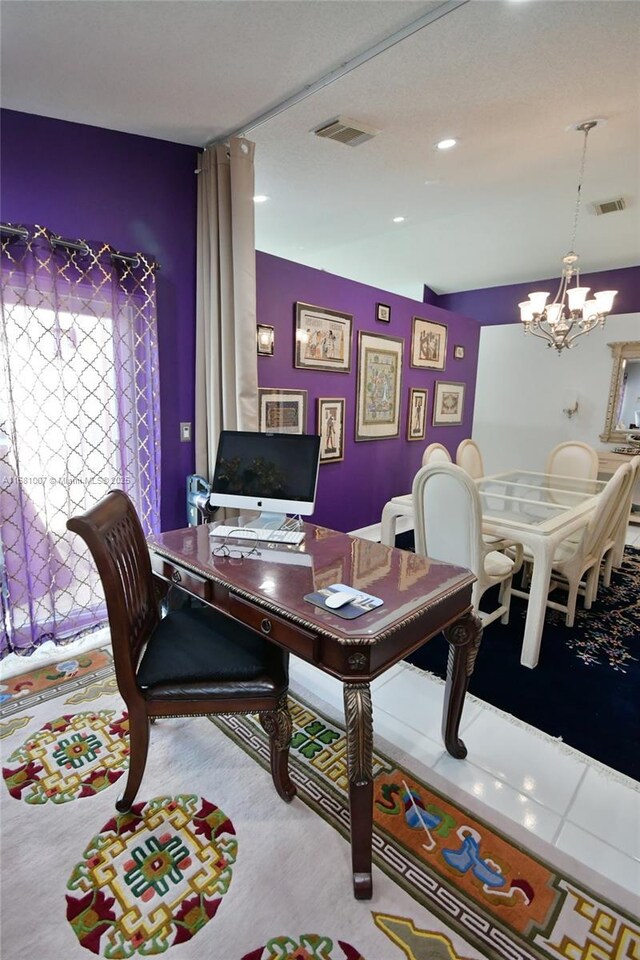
pixel 383 312
pixel 458 352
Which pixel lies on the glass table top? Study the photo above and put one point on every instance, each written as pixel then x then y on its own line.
pixel 535 499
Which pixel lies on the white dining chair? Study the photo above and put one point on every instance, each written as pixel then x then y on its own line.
pixel 468 457
pixel 448 526
pixel 573 459
pixel 435 453
pixel 575 558
pixel 615 556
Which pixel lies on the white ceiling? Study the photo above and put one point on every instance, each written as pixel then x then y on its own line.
pixel 505 77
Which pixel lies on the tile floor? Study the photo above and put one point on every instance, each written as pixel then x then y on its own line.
pixel 519 774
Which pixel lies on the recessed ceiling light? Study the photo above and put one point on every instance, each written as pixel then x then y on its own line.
pixel 429 183
pixel 260 198
pixel 399 219
pixel 446 144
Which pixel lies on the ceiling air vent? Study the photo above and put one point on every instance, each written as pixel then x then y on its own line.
pixel 344 130
pixel 608 206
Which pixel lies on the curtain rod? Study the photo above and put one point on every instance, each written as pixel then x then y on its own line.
pixel 328 78
pixel 20 232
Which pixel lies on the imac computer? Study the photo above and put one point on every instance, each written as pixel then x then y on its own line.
pixel 274 473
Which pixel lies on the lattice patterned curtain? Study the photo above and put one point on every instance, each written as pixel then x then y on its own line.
pixel 79 414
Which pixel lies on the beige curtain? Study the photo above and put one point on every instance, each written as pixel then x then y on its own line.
pixel 226 356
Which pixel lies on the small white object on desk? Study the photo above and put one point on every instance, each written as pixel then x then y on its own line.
pixel 265 534
pixel 336 600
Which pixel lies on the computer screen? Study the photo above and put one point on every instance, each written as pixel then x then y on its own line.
pixel 271 472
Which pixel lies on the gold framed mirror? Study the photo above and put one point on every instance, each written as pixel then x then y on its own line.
pixel 623 406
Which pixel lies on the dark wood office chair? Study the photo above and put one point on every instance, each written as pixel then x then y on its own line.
pixel 192 662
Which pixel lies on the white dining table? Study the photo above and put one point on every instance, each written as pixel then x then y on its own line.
pixel 538 510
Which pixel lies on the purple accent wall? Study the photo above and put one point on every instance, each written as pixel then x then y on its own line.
pixel 136 194
pixel 351 493
pixel 493 305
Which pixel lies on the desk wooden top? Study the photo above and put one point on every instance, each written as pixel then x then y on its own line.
pixel 277 577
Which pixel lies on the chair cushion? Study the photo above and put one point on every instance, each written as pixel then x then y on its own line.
pixel 202 654
pixel 497 564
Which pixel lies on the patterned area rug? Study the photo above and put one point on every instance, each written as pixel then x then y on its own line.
pixel 211 864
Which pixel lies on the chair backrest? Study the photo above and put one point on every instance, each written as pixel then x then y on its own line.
pixel 626 495
pixel 573 459
pixel 605 515
pixel 468 457
pixel 448 516
pixel 112 531
pixel 435 453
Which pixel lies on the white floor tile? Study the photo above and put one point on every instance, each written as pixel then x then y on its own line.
pixel 609 810
pixel 416 700
pixel 532 765
pixel 502 799
pixel 398 734
pixel 611 863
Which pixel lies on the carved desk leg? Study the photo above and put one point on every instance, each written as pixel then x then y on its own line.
pixel 464 641
pixel 359 726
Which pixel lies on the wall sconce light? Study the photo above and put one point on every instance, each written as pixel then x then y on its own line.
pixel 266 340
pixel 572 409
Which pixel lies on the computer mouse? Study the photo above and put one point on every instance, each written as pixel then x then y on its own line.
pixel 338 600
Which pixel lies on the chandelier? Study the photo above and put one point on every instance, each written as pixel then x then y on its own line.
pixel 560 323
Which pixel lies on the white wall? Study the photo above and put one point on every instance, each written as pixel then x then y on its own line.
pixel 523 386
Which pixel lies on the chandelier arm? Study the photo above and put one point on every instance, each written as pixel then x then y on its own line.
pixel 541 333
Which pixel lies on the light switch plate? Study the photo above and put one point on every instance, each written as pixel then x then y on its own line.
pixel 185 432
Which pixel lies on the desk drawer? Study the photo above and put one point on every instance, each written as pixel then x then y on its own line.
pixel 292 638
pixel 186 579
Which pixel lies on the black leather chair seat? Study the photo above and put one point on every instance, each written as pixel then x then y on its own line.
pixel 201 654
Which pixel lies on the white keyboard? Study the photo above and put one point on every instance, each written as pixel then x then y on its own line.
pixel 259 533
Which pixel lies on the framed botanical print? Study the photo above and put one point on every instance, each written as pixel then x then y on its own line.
pixel 331 428
pixel 428 344
pixel 448 403
pixel 282 411
pixel 379 381
pixel 322 339
pixel 417 415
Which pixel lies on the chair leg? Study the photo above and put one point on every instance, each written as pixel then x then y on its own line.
pixel 571 603
pixel 139 747
pixel 277 724
pixel 504 599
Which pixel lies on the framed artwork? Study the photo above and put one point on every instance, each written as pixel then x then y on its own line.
pixel 458 352
pixel 322 339
pixel 379 381
pixel 428 344
pixel 266 340
pixel 417 415
pixel 282 411
pixel 331 428
pixel 448 403
pixel 383 312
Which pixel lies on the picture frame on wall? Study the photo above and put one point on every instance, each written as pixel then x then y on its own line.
pixel 448 403
pixel 282 410
pixel 322 339
pixel 417 414
pixel 379 384
pixel 458 352
pixel 428 344
pixel 330 426
pixel 383 312
pixel 266 340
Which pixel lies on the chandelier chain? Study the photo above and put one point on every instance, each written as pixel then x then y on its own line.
pixel 586 127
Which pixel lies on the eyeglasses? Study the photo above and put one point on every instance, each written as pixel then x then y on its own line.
pixel 235 551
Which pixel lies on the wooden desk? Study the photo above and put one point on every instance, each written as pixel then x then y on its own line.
pixel 266 592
